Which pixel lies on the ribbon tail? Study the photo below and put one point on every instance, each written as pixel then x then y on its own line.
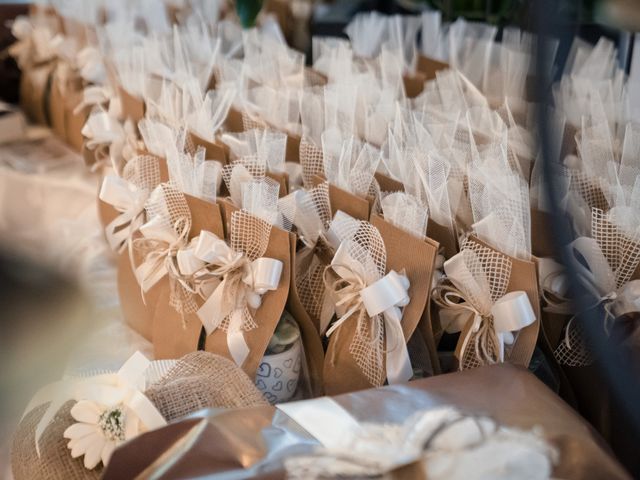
pixel 398 363
pixel 211 312
pixel 146 411
pixel 236 342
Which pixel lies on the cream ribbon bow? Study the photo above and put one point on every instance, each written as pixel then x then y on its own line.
pixel 554 285
pixel 127 199
pixel 385 296
pixel 600 280
pixel 164 244
pixel 123 387
pixel 242 283
pixel 494 322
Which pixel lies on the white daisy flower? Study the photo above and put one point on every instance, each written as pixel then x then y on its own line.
pixel 100 429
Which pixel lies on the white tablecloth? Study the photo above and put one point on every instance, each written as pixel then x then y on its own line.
pixel 48 213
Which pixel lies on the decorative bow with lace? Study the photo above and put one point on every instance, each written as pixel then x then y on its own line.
pixel 605 265
pixel 232 282
pixel 361 292
pixel 474 301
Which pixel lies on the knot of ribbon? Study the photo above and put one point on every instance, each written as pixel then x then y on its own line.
pixel 125 387
pixel 378 303
pixel 112 141
pixel 161 243
pixel 490 324
pixel 129 201
pixel 238 286
pixel 93 96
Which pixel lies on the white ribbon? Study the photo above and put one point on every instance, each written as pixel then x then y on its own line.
pixel 511 313
pixel 123 387
pixel 384 296
pixel 127 199
pixel 159 262
pixel 554 286
pixel 257 278
pixel 600 280
pixel 94 95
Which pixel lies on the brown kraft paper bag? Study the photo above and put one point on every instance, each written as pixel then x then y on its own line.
pixel 136 310
pixel 34 90
pixel 404 252
pixel 310 337
pixel 524 277
pixel 175 335
pixel 353 205
pixel 273 302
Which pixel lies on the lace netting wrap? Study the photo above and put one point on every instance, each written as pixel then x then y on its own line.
pixel 249 236
pixel 483 280
pixel 312 216
pixel 405 212
pixel 366 250
pixel 622 253
pixel 311 160
pixel 143 171
pixel 197 381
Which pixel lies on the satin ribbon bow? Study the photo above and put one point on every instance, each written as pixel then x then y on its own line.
pixel 360 298
pixel 554 285
pixel 601 281
pixel 495 322
pixel 242 283
pixel 164 244
pixel 111 140
pixel 127 199
pixel 124 387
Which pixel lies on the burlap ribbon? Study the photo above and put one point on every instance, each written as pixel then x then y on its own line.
pixel 487 326
pixel 376 304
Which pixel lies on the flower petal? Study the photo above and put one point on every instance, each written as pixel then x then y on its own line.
pixel 86 412
pixel 107 451
pixel 79 430
pixel 81 445
pixel 93 455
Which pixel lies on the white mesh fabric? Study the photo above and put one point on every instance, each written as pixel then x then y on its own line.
pixel 367 248
pixel 167 206
pixel 405 212
pixel 484 280
pixel 142 171
pixel 260 198
pixel 501 210
pixel 312 161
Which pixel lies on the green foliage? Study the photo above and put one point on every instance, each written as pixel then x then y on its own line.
pixel 248 11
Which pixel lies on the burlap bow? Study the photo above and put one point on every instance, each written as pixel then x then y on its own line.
pixel 362 293
pixel 238 285
pixel 474 301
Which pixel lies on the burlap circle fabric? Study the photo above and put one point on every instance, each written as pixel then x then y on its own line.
pixel 203 380
pixel 55 460
pixel 199 380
